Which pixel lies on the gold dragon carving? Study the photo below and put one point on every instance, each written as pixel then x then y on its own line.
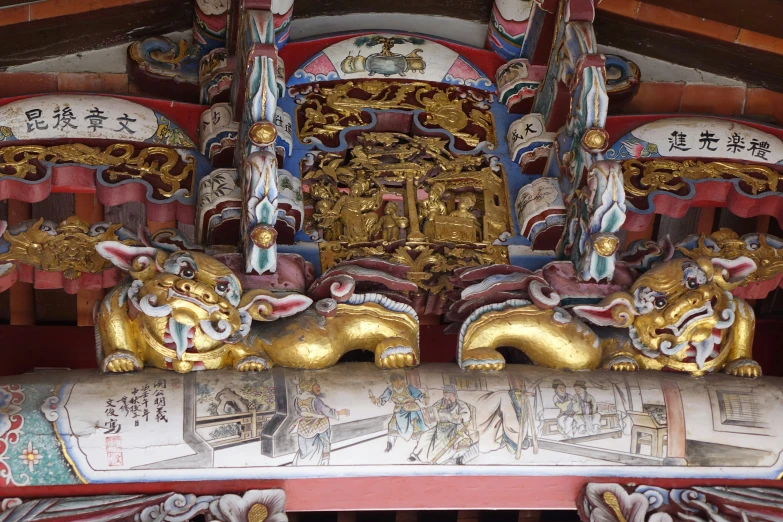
pixel 71 250
pixel 187 311
pixel 326 112
pixel 681 316
pixel 729 245
pixel 641 178
pixel 123 161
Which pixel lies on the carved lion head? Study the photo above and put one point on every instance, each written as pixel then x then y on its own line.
pixel 678 311
pixel 189 302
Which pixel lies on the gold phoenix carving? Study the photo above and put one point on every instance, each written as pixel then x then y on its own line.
pixel 123 161
pixel 70 251
pixel 768 259
pixel 641 178
pixel 462 112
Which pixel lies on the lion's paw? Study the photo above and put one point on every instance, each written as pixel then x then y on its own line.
pixel 622 364
pixel 253 363
pixel 483 359
pixel 122 362
pixel 744 368
pixel 397 357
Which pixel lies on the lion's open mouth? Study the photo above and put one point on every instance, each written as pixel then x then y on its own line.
pixel 686 320
pixel 692 354
pixel 179 337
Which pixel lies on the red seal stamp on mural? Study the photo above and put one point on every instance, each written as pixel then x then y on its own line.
pixel 114 451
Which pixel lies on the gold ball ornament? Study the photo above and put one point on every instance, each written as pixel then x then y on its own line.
pixel 595 140
pixel 257 513
pixel 606 245
pixel 263 237
pixel 262 133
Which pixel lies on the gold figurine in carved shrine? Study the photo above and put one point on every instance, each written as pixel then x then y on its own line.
pixel 354 213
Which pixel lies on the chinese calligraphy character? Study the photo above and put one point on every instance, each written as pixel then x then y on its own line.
pixel 34 120
pixel 759 149
pixel 124 120
pixel 160 404
pixel 64 118
pixel 96 119
pixel 111 423
pixel 708 140
pixel 529 128
pixel 736 143
pixel 677 141
pixel 124 405
pixel 112 426
pixel 110 408
pixel 515 136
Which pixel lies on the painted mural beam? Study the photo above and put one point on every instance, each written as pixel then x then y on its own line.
pixel 67 428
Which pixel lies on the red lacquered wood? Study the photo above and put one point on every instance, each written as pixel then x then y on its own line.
pixel 379 493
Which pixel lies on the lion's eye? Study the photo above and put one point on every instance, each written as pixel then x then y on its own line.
pixel 187 272
pixel 659 302
pixel 692 283
pixel 221 287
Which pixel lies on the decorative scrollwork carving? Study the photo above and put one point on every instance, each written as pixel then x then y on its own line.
pixel 325 112
pixel 69 249
pixel 122 161
pixel 641 178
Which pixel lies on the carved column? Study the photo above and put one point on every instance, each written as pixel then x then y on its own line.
pixel 255 95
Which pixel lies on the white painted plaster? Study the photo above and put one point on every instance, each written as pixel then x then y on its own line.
pixel 655 70
pixel 463 31
pixel 107 60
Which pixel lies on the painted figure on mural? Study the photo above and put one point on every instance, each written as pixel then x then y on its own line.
pixel 587 420
pixel 312 424
pixel 406 421
pixel 507 418
pixel 448 441
pixel 565 402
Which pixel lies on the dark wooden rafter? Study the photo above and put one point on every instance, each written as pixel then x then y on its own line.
pixel 752 66
pixel 50 37
pixel 474 10
pixel 762 16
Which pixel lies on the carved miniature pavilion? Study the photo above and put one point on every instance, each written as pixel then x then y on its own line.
pixel 367 258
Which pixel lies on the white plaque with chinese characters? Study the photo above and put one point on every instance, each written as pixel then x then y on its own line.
pixel 708 138
pixel 61 116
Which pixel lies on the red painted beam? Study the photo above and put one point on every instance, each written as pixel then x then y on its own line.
pixel 413 492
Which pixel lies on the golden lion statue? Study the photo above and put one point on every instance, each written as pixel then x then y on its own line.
pixel 186 311
pixel 183 311
pixel 682 316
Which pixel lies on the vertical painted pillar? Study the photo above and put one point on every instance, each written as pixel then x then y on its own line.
pixel 508 24
pixel 255 93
